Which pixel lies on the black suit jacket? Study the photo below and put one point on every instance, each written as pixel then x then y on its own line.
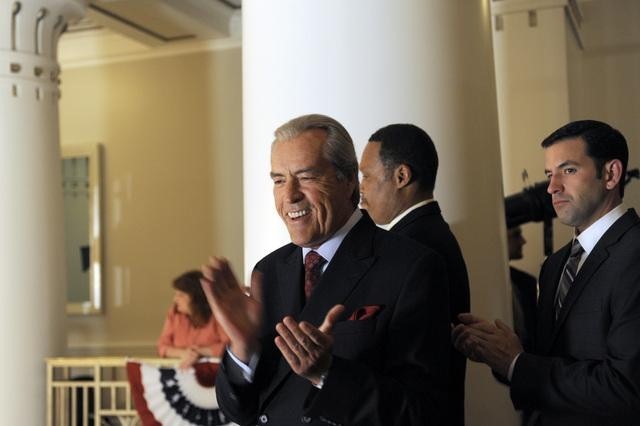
pixel 524 292
pixel 585 369
pixel 387 370
pixel 427 226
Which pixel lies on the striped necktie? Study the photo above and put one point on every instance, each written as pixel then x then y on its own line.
pixel 568 275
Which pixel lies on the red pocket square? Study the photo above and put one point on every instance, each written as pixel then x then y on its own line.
pixel 364 312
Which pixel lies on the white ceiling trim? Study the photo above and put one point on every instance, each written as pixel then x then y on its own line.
pixel 126 52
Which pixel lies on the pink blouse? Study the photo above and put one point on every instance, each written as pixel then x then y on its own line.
pixel 178 332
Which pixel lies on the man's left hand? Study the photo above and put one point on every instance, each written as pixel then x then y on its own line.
pixel 306 348
pixel 493 344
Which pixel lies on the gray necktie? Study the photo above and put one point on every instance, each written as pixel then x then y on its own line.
pixel 568 275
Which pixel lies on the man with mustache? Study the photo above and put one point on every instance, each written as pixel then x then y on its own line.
pixel 398 167
pixel 329 335
pixel 584 368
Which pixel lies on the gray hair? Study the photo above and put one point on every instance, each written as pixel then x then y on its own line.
pixel 338 149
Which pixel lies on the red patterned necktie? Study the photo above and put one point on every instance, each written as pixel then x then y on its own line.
pixel 312 271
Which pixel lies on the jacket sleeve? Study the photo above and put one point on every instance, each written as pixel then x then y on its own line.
pixel 237 397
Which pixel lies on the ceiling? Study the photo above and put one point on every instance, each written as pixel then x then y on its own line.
pixel 160 22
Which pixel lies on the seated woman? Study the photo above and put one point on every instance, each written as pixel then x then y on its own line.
pixel 190 330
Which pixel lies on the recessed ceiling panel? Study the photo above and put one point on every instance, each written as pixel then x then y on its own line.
pixel 151 16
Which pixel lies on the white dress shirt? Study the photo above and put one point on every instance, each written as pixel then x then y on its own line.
pixel 401 216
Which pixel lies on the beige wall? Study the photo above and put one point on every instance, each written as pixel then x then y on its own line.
pixel 545 79
pixel 171 130
pixel 533 100
pixel 605 77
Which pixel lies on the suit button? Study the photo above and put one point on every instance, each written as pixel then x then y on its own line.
pixel 263 419
pixel 305 419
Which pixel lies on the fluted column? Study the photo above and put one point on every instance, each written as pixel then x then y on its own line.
pixel 32 276
pixel 369 63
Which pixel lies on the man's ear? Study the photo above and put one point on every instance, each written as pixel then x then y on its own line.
pixel 613 173
pixel 402 176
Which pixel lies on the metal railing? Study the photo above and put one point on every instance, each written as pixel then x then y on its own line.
pixel 92 391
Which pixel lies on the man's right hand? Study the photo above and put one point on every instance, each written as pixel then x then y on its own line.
pixel 237 313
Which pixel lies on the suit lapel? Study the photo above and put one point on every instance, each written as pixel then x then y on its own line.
pixel 594 261
pixel 289 281
pixel 349 264
pixel 546 305
pixel 583 278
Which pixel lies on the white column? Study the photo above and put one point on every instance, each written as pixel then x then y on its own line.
pixel 32 274
pixel 533 43
pixel 369 63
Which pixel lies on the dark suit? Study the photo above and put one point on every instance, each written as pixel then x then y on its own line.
pixel 427 226
pixel 387 369
pixel 524 297
pixel 524 291
pixel 585 369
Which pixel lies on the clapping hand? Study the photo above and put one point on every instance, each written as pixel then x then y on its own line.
pixel 494 344
pixel 307 349
pixel 237 313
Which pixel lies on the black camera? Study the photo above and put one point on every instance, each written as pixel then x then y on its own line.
pixel 533 204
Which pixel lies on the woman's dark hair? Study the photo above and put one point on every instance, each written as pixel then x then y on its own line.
pixel 189 283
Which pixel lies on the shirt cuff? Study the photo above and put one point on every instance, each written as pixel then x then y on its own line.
pixel 320 384
pixel 248 370
pixel 512 367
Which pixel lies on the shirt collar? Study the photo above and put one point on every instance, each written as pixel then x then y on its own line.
pixel 590 236
pixel 401 216
pixel 328 248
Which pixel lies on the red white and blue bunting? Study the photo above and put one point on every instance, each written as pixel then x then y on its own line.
pixel 172 397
